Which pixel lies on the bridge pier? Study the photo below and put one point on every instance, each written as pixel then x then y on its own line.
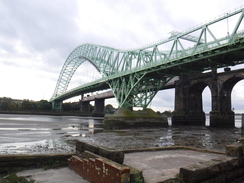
pixel 99 108
pixel 222 119
pixel 221 114
pixel 57 105
pixel 188 104
pixel 126 118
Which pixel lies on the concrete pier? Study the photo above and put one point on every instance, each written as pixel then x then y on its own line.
pixel 99 108
pixel 125 118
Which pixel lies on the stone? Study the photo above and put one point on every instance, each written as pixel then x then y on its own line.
pixel 234 150
pixel 114 155
pixel 193 173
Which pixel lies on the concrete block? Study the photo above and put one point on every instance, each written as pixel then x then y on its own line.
pixel 116 156
pixel 233 164
pixel 193 173
pixel 235 150
pixel 234 174
pixel 241 161
pixel 218 179
pixel 212 168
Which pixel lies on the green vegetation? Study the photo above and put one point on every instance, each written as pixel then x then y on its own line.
pixel 52 164
pixel 8 104
pixel 173 181
pixel 137 180
pixel 145 113
pixel 109 109
pixel 13 178
pixel 166 113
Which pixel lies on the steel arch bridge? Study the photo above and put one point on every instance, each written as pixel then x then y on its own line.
pixel 135 76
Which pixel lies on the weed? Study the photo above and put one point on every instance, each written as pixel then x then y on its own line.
pixel 13 178
pixel 50 164
pixel 137 180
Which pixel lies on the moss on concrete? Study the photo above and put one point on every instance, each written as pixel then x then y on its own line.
pixel 124 118
pixel 136 175
pixel 126 113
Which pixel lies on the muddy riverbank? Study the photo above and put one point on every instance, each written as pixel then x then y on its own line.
pixel 37 134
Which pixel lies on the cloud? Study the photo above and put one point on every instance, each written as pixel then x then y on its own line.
pixel 40 26
pixel 36 38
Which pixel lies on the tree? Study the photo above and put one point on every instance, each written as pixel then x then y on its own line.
pixel 109 109
pixel 5 105
pixel 167 113
pixel 43 105
pixel 66 106
pixel 28 105
pixel 71 106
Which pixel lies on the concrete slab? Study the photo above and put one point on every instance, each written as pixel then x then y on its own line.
pixel 158 166
pixel 61 175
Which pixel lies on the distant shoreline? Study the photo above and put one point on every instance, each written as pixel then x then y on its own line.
pixel 53 113
pixel 59 113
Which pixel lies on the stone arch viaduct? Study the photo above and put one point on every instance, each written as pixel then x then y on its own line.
pixel 188 98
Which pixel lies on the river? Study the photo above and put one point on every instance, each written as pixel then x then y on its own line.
pixel 35 134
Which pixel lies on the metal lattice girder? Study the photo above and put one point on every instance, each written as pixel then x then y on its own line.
pixel 137 90
pixel 195 50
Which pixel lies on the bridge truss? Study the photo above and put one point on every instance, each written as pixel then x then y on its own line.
pixel 135 76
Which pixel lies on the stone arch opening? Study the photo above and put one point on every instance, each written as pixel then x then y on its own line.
pixel 222 114
pixel 237 96
pixel 207 103
pixel 225 94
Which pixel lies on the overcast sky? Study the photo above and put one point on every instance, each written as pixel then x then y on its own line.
pixel 36 36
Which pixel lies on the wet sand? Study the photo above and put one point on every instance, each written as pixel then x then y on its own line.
pixel 33 134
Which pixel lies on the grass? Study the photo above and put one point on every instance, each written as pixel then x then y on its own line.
pixel 13 178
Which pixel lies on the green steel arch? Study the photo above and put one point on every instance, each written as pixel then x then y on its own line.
pixel 136 75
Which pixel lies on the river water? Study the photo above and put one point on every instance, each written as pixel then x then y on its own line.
pixel 35 134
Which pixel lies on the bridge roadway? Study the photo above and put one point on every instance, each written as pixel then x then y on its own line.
pixel 110 94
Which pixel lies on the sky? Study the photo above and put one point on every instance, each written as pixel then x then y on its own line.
pixel 38 35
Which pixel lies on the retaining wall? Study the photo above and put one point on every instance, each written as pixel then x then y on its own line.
pixel 220 170
pixel 20 162
pixel 114 155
